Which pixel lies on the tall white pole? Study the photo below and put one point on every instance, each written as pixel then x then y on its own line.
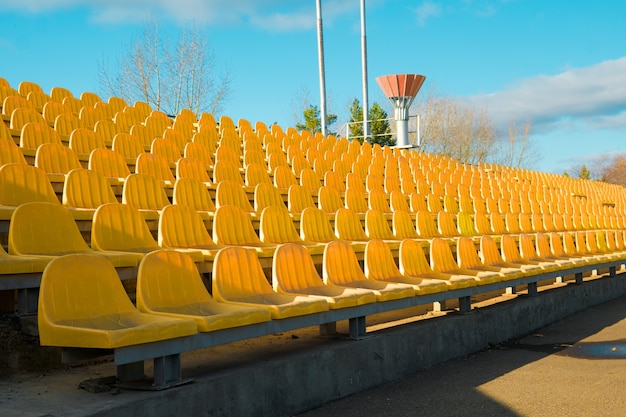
pixel 366 129
pixel 320 53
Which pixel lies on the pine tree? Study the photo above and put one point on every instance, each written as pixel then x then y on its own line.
pixel 312 120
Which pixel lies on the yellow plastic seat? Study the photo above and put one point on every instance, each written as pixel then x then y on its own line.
pixel 194 193
pixel 85 190
pixel 544 250
pixel 380 266
pixel 356 201
pixel 178 137
pixel 465 224
pixel 341 269
pixel 182 227
pixel 168 149
pixel 96 312
pixel 232 193
pixel 192 168
pixel 329 200
pixel 145 193
pixel 48 230
pixel 441 259
pixel 309 180
pixel 402 225
pixel 238 278
pixel 377 227
pixel 107 130
pixel 447 225
pixel 413 263
pixel 56 160
pixel 425 225
pixel 469 260
pixel 51 109
pixel 490 256
pixel 294 273
pixel 155 166
pixel 417 203
pixel 59 93
pixel 335 180
pixel 169 284
pixel 398 201
pixel 266 195
pixel 35 134
pixel 12 102
pixel 315 226
pixel 256 174
pixel 20 264
pixel 83 141
pixel 511 253
pixel 110 164
pixel 201 152
pixel 557 248
pixel 298 198
pixel 22 116
pixel 22 183
pixel 233 227
pixel 144 135
pixel 129 146
pixel 283 177
pixel 348 227
pixel 10 153
pixel 227 171
pixel 276 226
pixel 528 252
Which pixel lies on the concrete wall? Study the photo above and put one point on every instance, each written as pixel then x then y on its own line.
pixel 308 378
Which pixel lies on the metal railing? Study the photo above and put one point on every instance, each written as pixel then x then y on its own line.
pixel 414 129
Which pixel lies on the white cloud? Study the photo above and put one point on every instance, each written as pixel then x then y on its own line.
pixel 594 96
pixel 427 10
pixel 267 14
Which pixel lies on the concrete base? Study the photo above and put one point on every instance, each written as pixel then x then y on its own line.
pixel 320 370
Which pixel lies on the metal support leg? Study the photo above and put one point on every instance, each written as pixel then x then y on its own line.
pixel 578 277
pixel 131 372
pixel 167 370
pixel 357 327
pixel 612 271
pixel 465 304
pixel 328 329
pixel 532 288
pixel 27 300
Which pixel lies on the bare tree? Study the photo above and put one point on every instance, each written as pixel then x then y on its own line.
pixel 615 171
pixel 460 131
pixel 168 78
pixel 517 149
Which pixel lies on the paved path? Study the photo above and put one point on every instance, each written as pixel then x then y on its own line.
pixel 576 367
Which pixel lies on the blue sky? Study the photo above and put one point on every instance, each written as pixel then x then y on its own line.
pixel 559 64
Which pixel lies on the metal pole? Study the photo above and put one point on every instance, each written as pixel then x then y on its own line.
pixel 320 53
pixel 364 66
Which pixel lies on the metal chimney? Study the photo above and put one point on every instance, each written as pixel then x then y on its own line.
pixel 401 89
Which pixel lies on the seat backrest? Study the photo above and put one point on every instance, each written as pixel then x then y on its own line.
pixel 226 153
pixel 42 228
pixel 466 253
pixel 348 225
pixel 166 148
pixel 65 124
pixel 527 248
pixel 299 198
pixel 329 199
pixel 233 226
pixel 512 223
pixel 22 183
pixel 144 192
pixel 194 193
pixel 207 138
pixel 107 130
pixel 283 177
pixel 257 174
pixel 154 165
pixel 169 279
pixel 376 225
pixel 510 249
pixel 226 171
pixel 489 253
pixel 237 273
pixel 425 224
pixel 377 200
pixel 52 109
pixel 143 134
pixel 84 188
pixel 266 195
pixel 83 141
pixel 465 224
pixel 379 262
pixel 10 153
pixel 315 227
pixel 65 295
pixel 35 134
pixel 177 137
pixel 340 265
pixel 310 180
pixel 356 201
pixel 276 226
pixel 120 227
pixel 129 146
pixel 412 259
pixel 12 102
pixel 441 258
pixel 181 226
pixel 231 193
pixel 402 225
pixel 446 224
pixel 192 168
pixel 109 163
pixel 56 158
pixel 199 151
pixel 293 269
pixel 398 201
